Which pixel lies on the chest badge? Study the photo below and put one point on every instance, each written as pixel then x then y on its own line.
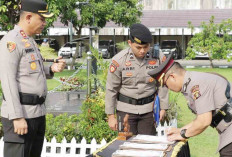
pixel 24 40
pixel 11 46
pixel 27 45
pixel 129 74
pixel 115 63
pixel 151 80
pixel 152 62
pixel 32 57
pixel 33 66
pixel 128 63
pixel 164 58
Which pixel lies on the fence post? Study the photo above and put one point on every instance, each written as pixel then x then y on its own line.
pixel 1 146
pixel 89 69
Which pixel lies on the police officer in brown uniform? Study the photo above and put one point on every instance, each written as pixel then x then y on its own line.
pixel 23 80
pixel 209 97
pixel 129 89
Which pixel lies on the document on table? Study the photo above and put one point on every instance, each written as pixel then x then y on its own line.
pixel 143 146
pixel 137 153
pixel 151 139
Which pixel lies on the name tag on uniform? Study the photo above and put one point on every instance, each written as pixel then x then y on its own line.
pixel 29 50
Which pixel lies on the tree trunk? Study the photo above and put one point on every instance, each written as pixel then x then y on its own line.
pixel 210 60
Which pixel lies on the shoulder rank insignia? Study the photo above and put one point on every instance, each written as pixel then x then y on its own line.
pixel 195 90
pixel 11 46
pixel 23 33
pixel 112 68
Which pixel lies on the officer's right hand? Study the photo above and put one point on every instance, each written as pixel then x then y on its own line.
pixel 20 126
pixel 112 122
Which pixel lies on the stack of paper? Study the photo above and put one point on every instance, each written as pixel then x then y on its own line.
pixel 137 153
pixel 151 139
pixel 143 146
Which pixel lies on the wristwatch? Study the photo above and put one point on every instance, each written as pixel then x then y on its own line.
pixel 182 133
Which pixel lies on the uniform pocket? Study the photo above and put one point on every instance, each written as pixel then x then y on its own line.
pixel 33 63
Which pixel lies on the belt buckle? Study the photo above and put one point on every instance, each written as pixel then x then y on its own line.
pixel 139 102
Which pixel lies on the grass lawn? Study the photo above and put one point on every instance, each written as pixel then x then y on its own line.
pixel 205 144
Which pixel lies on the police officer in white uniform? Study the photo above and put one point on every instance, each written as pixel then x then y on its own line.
pixel 129 89
pixel 209 97
pixel 23 79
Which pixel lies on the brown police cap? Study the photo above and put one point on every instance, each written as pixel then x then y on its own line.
pixel 36 6
pixel 163 68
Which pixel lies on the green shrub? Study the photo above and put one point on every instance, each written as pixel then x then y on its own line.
pixel 61 126
pixel 93 120
pixel 122 45
pixel 47 52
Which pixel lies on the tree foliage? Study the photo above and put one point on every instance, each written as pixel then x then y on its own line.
pixel 96 13
pixel 9 14
pixel 214 39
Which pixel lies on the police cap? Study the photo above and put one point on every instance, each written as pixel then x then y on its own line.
pixel 36 6
pixel 140 34
pixel 160 71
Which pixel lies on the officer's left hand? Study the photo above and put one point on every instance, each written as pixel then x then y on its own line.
pixel 58 67
pixel 162 114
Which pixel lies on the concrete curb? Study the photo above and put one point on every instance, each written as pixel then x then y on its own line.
pixel 205 63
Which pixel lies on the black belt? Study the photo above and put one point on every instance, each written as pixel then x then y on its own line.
pixel 133 101
pixel 30 99
pixel 222 113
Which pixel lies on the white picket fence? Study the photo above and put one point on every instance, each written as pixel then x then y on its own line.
pixel 73 149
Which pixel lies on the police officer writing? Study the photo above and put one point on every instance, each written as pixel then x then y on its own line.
pixel 129 89
pixel 23 80
pixel 209 97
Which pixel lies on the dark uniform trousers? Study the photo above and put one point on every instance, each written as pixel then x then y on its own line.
pixel 139 123
pixel 29 145
pixel 226 151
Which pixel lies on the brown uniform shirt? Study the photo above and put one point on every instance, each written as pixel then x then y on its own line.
pixel 205 92
pixel 128 76
pixel 21 70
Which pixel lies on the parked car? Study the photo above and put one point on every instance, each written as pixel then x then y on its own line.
pixel 69 49
pixel 52 42
pixel 107 48
pixel 168 46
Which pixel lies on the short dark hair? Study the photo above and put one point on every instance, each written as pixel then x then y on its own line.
pixel 176 68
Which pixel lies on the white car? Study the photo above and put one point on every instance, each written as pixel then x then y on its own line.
pixel 201 55
pixel 65 50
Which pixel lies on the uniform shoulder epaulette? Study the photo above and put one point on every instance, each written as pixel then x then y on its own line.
pixel 121 54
